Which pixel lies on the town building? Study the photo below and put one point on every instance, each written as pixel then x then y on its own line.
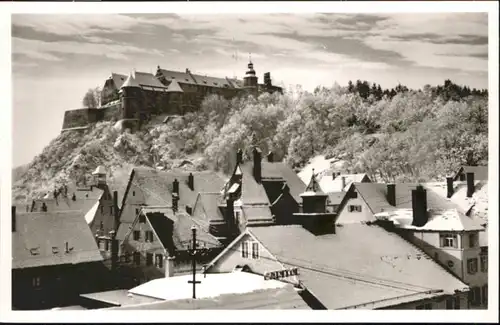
pixel 428 220
pixel 233 290
pixel 134 99
pixel 54 259
pixel 158 245
pixel 387 273
pixel 151 187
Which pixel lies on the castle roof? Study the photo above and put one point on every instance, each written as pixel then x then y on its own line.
pixel 174 87
pixel 196 79
pixel 130 82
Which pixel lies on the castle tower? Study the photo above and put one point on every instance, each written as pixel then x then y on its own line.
pixel 131 98
pixel 250 81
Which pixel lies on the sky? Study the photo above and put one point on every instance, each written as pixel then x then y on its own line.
pixel 56 58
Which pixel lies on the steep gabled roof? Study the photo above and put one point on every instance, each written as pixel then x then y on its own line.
pixel 380 270
pixel 40 240
pixel 146 79
pixel 280 170
pixel 209 203
pixel 130 82
pixel 118 79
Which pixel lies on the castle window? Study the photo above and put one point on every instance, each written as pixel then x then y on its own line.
pixel 36 282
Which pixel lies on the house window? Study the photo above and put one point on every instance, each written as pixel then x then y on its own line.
pixel 137 258
pixel 255 250
pixel 453 302
pixel 244 249
pixel 36 282
pixel 475 296
pixel 472 265
pixel 354 208
pixel 472 240
pixel 448 240
pixel 149 259
pixel 133 193
pixel 158 260
pixel 137 235
pixel 484 296
pixel 149 236
pixel 484 262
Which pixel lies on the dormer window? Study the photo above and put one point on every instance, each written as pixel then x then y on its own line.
pixel 448 240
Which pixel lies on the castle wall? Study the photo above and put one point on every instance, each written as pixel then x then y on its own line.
pixel 111 113
pixel 79 117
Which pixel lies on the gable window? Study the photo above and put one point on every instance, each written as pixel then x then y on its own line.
pixel 137 235
pixel 484 296
pixel 149 259
pixel 354 208
pixel 244 249
pixel 472 240
pixel 133 193
pixel 472 265
pixel 149 236
pixel 484 262
pixel 448 240
pixel 36 282
pixel 255 250
pixel 158 260
pixel 137 258
pixel 475 296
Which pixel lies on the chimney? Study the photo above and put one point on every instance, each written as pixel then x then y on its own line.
pixel 175 187
pixel 187 70
pixel 239 156
pixel 175 202
pixel 343 183
pixel 449 187
pixel 116 211
pixel 270 156
pixel 169 266
pixel 419 206
pixel 470 184
pixel 191 181
pixel 391 194
pixel 257 167
pixel 230 213
pixel 13 219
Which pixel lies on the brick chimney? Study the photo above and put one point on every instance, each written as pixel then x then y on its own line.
pixel 257 164
pixel 342 183
pixel 230 213
pixel 169 266
pixel 391 194
pixel 449 187
pixel 239 156
pixel 14 219
pixel 470 184
pixel 419 206
pixel 270 156
pixel 191 181
pixel 175 186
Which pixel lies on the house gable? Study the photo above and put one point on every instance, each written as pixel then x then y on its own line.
pixel 231 257
pixel 348 210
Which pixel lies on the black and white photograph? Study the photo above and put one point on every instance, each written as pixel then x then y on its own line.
pixel 259 160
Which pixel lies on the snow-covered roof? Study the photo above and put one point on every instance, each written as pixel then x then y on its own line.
pixel 177 287
pixel 331 185
pixel 90 215
pixel 100 170
pixel 439 220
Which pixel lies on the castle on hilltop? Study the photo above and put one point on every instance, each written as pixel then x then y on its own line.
pixel 131 100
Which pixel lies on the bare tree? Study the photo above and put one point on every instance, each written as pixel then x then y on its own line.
pixel 92 98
